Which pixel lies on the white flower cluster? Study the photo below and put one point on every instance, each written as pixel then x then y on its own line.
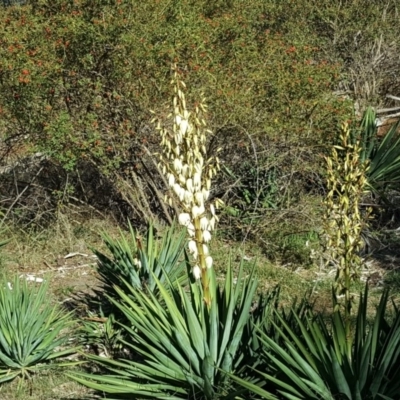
pixel 188 171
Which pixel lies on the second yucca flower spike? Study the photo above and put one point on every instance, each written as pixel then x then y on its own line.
pixel 189 173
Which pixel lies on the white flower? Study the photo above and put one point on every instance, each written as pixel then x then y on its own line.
pixel 209 262
pixel 181 194
pixel 211 224
pixel 205 249
pixel 137 263
pixel 199 198
pixel 197 211
pixel 203 223
pixel 178 165
pixel 177 188
pixel 219 203
pixel 197 180
pixel 183 127
pixel 206 236
pixel 188 197
pixel 178 119
pixel 191 230
pixel 193 248
pixel 189 185
pixel 184 219
pixel 196 272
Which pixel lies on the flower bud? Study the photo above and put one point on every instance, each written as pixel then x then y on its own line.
pixel 211 224
pixel 183 127
pixel 171 180
pixel 185 170
pixel 182 179
pixel 219 203
pixel 212 209
pixel 205 250
pixel 209 262
pixel 188 197
pixel 177 188
pixel 189 185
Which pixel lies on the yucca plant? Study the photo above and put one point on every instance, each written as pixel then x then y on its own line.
pixel 383 156
pixel 141 264
pixel 183 342
pixel 137 264
pixel 321 363
pixel 34 335
pixel 102 333
pixel 184 347
pixel 266 317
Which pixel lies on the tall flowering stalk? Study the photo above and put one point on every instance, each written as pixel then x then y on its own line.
pixel 189 172
pixel 343 223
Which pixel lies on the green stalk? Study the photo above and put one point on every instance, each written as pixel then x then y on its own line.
pixel 205 281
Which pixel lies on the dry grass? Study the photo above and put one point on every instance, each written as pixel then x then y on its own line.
pixel 47 386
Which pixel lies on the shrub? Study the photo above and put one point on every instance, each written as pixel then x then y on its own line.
pixel 77 80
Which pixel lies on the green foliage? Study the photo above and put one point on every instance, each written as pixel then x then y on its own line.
pixel 256 187
pixel 90 68
pixel 141 265
pixel 320 361
pixel 185 348
pixel 102 333
pixel 33 332
pixel 383 155
pixel 299 248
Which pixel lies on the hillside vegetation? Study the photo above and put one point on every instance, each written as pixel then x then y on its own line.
pixel 146 115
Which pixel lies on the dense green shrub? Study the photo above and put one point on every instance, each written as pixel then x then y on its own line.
pixel 78 78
